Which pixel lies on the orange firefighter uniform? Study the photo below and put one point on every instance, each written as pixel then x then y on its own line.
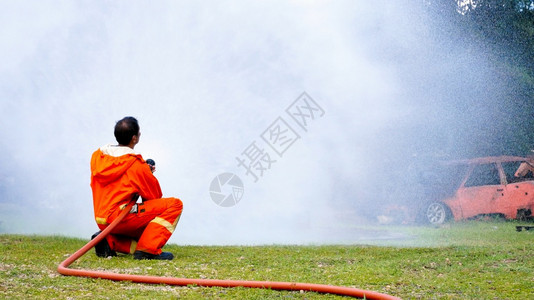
pixel 117 174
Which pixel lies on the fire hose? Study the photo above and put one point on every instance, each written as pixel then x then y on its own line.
pixel 63 269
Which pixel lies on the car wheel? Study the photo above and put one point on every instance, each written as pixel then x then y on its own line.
pixel 436 213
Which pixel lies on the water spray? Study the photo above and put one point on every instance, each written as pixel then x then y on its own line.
pixel 274 285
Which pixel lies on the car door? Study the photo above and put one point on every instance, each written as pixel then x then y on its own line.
pixel 481 191
pixel 519 191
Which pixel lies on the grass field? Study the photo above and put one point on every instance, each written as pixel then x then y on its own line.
pixel 471 260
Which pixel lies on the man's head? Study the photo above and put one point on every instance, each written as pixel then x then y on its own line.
pixel 127 132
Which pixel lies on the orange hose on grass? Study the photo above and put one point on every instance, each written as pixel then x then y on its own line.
pixel 289 286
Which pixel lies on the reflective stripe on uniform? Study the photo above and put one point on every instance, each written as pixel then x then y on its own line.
pixel 133 245
pixel 170 227
pixel 101 221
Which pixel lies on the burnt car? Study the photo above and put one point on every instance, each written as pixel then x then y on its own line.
pixel 500 186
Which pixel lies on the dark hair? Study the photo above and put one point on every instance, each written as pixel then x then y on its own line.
pixel 125 129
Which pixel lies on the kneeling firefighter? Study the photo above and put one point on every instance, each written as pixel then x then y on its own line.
pixel 120 175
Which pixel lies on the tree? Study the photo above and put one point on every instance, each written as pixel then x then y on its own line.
pixel 502 31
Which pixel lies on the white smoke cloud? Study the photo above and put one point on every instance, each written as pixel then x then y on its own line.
pixel 204 80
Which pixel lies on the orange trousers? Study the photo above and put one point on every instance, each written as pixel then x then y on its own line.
pixel 148 229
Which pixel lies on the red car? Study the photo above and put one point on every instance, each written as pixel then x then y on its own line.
pixel 500 186
pixel 491 186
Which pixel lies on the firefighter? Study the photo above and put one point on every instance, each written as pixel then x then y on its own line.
pixel 120 175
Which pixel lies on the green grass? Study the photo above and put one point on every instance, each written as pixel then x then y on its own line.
pixel 472 260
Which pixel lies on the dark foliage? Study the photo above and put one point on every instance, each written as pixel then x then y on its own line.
pixel 504 32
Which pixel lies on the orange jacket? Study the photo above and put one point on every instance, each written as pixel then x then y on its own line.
pixel 117 173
